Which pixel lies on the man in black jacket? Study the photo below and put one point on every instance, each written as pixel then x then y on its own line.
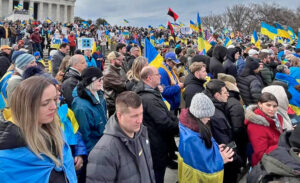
pixel 221 128
pixel 216 61
pixel 162 125
pixel 72 77
pixel 4 59
pixel 195 84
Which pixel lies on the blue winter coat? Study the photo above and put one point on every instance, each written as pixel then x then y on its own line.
pixel 90 62
pixel 91 116
pixel 171 93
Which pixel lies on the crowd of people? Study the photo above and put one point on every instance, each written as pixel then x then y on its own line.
pixel 108 115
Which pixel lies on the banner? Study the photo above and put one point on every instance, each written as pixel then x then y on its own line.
pixel 85 43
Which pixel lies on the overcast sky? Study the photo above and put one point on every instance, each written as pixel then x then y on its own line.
pixel 154 12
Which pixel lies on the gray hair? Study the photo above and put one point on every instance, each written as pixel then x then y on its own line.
pixel 75 59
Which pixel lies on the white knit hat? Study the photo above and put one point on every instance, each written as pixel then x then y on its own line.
pixel 202 106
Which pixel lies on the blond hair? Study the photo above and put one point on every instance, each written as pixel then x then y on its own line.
pixel 196 66
pixel 137 66
pixel 25 104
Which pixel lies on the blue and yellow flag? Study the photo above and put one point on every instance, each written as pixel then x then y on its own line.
pixel 193 26
pixel 298 44
pixel 154 58
pixel 292 33
pixel 281 32
pixel 85 24
pixel 20 6
pixel 49 21
pixel 255 40
pixel 201 43
pixel 268 30
pixel 126 21
pixel 227 42
pixel 161 26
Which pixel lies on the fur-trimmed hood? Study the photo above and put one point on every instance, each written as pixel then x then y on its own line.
pixel 251 117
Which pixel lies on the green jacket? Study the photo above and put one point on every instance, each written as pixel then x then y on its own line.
pixel 267 75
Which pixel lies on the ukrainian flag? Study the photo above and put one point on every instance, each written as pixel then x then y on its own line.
pixel 193 26
pixel 196 163
pixel 298 44
pixel 49 21
pixel 255 40
pixel 161 26
pixel 126 21
pixel 20 6
pixel 154 58
pixel 268 30
pixel 281 32
pixel 227 42
pixel 201 40
pixel 292 33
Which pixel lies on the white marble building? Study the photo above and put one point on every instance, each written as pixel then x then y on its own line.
pixel 56 10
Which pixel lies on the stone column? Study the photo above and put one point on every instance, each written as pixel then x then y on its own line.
pixel 10 7
pixel 65 14
pixel 31 5
pixel 0 9
pixel 72 14
pixel 58 19
pixel 41 11
pixel 50 11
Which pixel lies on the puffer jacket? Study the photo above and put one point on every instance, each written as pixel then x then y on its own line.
pixel 215 65
pixel 262 132
pixel 267 74
pixel 115 158
pixel 90 114
pixel 113 84
pixel 250 88
pixel 229 65
pixel 194 86
pixel 70 80
pixel 282 164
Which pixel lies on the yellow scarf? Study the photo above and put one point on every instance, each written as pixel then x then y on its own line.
pixel 173 82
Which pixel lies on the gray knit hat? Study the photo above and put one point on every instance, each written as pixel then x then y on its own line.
pixel 23 60
pixel 202 106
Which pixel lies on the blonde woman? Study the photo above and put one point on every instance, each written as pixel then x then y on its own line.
pixel 134 74
pixel 32 148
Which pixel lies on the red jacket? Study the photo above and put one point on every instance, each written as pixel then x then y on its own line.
pixel 72 42
pixel 262 132
pixel 36 37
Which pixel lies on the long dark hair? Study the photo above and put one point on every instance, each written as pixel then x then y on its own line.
pixel 204 131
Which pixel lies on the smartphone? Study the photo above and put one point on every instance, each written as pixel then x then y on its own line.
pixel 231 145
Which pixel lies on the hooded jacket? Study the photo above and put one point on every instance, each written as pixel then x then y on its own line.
pixel 282 164
pixel 160 122
pixel 70 80
pixel 4 62
pixel 250 84
pixel 215 65
pixel 90 114
pixel 262 132
pixel 229 64
pixel 192 87
pixel 283 104
pixel 20 164
pixel 118 158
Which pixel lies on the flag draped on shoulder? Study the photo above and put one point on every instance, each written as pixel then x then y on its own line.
pixel 255 40
pixel 268 30
pixel 172 14
pixel 154 58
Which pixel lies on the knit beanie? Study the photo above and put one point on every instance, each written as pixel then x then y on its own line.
pixel 252 64
pixel 23 60
pixel 89 75
pixel 15 55
pixel 202 106
pixel 295 137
